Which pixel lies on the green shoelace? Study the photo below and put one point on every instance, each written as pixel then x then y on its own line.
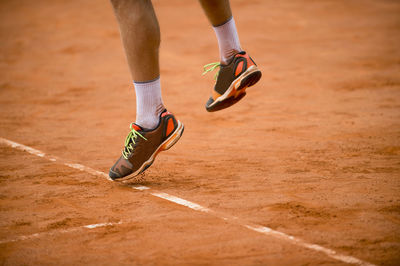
pixel 211 67
pixel 130 141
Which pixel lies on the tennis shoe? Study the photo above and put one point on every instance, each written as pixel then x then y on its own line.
pixel 232 80
pixel 143 145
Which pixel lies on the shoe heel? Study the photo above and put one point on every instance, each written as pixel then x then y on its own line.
pixel 174 138
pixel 250 80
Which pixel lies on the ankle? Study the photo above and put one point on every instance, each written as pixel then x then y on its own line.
pixel 149 104
pixel 227 56
pixel 228 40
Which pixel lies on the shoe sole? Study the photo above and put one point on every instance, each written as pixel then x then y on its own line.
pixel 166 145
pixel 237 90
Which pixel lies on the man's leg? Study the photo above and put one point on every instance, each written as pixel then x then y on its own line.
pixel 141 37
pixel 140 34
pixel 220 16
pixel 237 70
pixel 155 128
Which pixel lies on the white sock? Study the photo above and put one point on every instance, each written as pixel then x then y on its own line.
pixel 149 104
pixel 228 40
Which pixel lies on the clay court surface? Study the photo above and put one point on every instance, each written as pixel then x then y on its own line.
pixel 312 151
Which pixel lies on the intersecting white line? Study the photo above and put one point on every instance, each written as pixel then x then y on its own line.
pixel 53 232
pixel 194 206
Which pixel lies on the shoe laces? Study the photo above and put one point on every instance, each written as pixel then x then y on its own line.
pixel 211 67
pixel 130 141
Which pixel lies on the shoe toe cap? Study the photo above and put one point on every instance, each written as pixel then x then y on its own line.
pixel 120 169
pixel 209 102
pixel 113 175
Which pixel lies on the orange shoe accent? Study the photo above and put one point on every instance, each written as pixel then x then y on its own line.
pixel 249 61
pixel 136 127
pixel 215 95
pixel 239 68
pixel 165 146
pixel 170 127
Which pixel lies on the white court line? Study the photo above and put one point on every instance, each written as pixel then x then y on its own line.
pixel 141 187
pixel 30 150
pixel 194 206
pixel 180 201
pixel 87 170
pixel 49 233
